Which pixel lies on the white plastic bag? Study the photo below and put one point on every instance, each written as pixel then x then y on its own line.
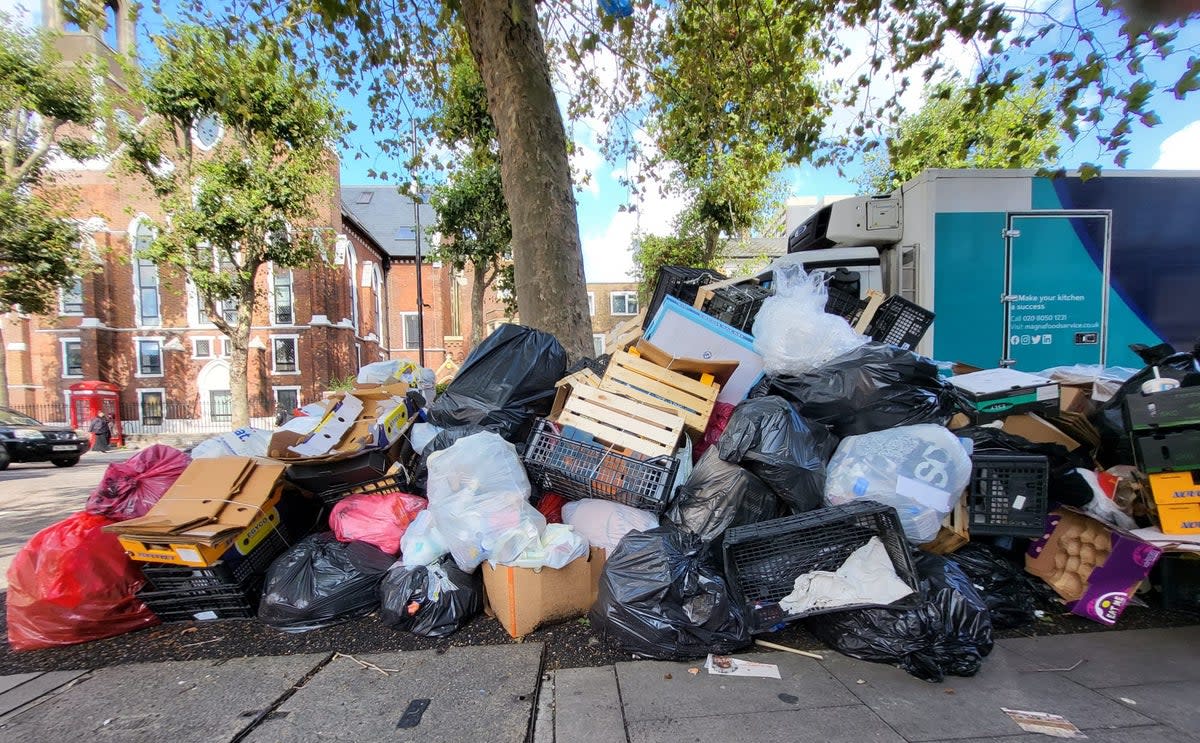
pixel 422 434
pixel 921 471
pixel 602 523
pixel 240 442
pixel 479 495
pixel 792 331
pixel 422 543
pixel 558 546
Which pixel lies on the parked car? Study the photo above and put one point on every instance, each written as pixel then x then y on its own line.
pixel 24 439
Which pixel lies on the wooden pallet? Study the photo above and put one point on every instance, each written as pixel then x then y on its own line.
pixel 953 534
pixel 622 422
pixel 874 300
pixel 624 334
pixel 653 385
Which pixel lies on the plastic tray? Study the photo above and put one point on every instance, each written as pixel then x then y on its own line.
pixel 762 561
pixel 576 470
pixel 386 484
pixel 736 306
pixel 678 281
pixel 1008 495
pixel 849 306
pixel 185 605
pixel 899 322
pixel 230 574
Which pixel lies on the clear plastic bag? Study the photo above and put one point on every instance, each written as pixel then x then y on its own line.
pixel 241 442
pixel 558 546
pixel 479 495
pixel 792 331
pixel 920 471
pixel 422 543
pixel 603 523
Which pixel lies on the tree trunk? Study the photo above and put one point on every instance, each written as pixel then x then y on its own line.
pixel 478 287
pixel 711 234
pixel 239 353
pixel 3 366
pixel 508 48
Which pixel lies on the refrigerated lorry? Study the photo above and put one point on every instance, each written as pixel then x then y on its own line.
pixel 1026 271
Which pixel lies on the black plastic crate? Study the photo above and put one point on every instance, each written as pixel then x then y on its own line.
pixel 1008 495
pixel 236 570
pixel 1179 581
pixel 736 306
pixel 199 604
pixel 762 561
pixel 678 281
pixel 899 322
pixel 577 470
pixel 387 484
pixel 1170 450
pixel 1161 410
pixel 845 304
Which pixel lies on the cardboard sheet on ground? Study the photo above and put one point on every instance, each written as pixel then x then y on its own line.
pixel 724 665
pixel 1045 723
pixel 681 330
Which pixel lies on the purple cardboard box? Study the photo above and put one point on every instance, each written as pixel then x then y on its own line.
pixel 1095 567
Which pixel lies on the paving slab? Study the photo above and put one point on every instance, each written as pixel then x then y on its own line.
pixel 14 680
pixel 587 706
pixel 648 694
pixel 830 725
pixel 1152 734
pixel 179 702
pixel 30 689
pixel 1172 703
pixel 481 693
pixel 962 708
pixel 1117 658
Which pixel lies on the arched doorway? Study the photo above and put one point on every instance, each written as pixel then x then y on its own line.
pixel 213 385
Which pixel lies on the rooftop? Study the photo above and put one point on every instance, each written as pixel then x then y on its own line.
pixel 389 218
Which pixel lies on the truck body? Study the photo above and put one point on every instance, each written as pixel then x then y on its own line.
pixel 1025 271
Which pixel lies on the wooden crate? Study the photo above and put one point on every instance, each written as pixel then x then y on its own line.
pixel 622 422
pixel 874 300
pixel 563 388
pixel 624 334
pixel 953 534
pixel 659 387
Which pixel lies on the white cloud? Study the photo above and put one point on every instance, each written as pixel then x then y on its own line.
pixel 1181 150
pixel 24 12
pixel 608 256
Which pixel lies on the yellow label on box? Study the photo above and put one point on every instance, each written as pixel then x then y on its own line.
pixel 1183 518
pixel 1175 487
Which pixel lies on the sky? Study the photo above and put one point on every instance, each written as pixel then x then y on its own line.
pixel 607 231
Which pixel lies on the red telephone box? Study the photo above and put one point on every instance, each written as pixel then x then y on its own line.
pixel 89 398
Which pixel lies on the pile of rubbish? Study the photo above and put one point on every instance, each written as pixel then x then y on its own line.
pixel 748 456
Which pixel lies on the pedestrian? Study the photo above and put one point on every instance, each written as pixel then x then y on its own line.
pixel 101 431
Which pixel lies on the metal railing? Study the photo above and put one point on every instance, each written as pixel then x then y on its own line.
pixel 168 418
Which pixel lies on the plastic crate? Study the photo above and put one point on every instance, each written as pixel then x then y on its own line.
pixel 387 484
pixel 199 604
pixel 577 469
pixel 762 561
pixel 899 322
pixel 736 306
pixel 225 573
pixel 678 281
pixel 1008 495
pixel 845 304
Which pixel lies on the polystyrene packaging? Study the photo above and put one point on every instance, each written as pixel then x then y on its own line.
pixel 479 495
pixel 921 471
pixel 792 331
pixel 602 523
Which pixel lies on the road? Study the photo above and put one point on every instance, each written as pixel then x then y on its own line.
pixel 33 496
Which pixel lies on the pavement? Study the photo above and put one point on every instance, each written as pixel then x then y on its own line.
pixel 37 494
pixel 1117 687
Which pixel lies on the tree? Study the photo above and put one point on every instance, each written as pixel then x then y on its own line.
pixel 231 212
pixel 40 102
pixel 1018 132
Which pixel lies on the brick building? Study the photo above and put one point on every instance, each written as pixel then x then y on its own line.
pixel 609 304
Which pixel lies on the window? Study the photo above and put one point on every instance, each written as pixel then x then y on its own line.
pixel 598 344
pixel 405 233
pixel 72 357
pixel 364 197
pixel 149 358
pixel 287 398
pixel 284 314
pixel 150 407
pixel 202 348
pixel 223 347
pixel 220 405
pixel 592 303
pixel 145 278
pixel 624 303
pixel 283 355
pixel 70 299
pixel 412 330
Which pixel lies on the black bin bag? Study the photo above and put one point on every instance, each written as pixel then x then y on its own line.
pixel 506 381
pixel 430 600
pixel 718 495
pixel 321 582
pixel 1006 588
pixel 871 388
pixel 661 597
pixel 768 437
pixel 948 634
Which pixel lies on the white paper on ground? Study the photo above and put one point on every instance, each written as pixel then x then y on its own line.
pixel 867 577
pixel 724 665
pixel 1045 723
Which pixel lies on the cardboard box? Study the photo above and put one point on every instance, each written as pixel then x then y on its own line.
pixel 1169 488
pixel 340 435
pixel 230 551
pixel 212 504
pixel 1179 518
pixel 1037 430
pixel 1095 567
pixel 993 394
pixel 1075 398
pixel 524 599
pixel 721 371
pixel 685 331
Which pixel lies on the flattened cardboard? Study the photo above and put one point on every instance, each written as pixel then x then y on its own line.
pixel 364 433
pixel 721 370
pixel 523 599
pixel 1038 430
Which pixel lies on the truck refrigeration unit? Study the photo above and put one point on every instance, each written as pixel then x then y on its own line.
pixel 1025 271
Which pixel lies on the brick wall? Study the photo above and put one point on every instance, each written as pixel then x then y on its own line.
pixel 603 319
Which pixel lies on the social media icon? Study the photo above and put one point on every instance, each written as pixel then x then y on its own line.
pixel 1047 339
pixel 1037 340
pixel 1015 340
pixel 1026 340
